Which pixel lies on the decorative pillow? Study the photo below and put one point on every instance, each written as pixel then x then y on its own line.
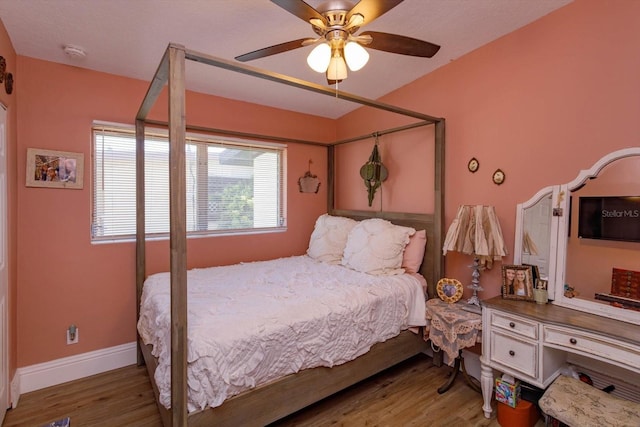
pixel 375 246
pixel 414 252
pixel 329 238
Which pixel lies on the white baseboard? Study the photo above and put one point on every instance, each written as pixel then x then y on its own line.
pixel 36 377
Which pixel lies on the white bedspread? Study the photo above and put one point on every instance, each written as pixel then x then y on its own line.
pixel 251 323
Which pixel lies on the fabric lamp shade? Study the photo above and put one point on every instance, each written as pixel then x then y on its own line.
pixel 476 231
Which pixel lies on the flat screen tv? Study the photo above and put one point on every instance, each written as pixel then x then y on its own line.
pixel 609 218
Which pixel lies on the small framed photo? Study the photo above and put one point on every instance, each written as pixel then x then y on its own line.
pixel 54 169
pixel 517 282
pixel 449 290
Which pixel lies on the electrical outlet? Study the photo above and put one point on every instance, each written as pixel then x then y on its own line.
pixel 72 334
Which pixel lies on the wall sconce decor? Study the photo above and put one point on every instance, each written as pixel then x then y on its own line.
pixel 5 77
pixel 309 183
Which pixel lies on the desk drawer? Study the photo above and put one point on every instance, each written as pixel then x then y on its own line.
pixel 515 324
pixel 514 352
pixel 579 342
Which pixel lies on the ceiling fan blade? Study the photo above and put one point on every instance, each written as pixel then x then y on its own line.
pixel 401 44
pixel 362 39
pixel 372 9
pixel 300 9
pixel 271 50
pixel 309 42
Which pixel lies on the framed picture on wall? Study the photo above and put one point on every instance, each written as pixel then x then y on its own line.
pixel 54 169
pixel 517 282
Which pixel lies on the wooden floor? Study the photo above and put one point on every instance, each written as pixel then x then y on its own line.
pixel 401 396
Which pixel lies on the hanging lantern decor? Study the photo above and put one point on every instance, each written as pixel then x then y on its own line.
pixel 373 172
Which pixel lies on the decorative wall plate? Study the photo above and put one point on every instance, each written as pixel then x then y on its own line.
pixel 449 290
pixel 473 165
pixel 498 177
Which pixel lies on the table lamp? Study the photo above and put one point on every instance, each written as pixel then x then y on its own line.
pixel 476 231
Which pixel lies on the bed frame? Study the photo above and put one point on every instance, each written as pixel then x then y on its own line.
pixel 293 392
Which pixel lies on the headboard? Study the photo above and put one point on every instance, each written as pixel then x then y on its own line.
pixel 417 221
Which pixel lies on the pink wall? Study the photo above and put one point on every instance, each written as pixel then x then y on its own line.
pixel 409 158
pixel 540 104
pixel 63 278
pixel 9 101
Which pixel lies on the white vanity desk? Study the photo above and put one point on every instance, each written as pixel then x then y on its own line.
pixel 531 342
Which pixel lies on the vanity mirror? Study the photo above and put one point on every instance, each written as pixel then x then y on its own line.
pixel 578 233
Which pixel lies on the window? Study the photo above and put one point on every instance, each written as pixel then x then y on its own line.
pixel 232 186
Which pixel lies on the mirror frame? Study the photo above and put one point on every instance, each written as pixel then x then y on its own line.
pixel 558 241
pixel 519 237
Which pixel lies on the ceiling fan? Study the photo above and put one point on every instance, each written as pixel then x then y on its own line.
pixel 337 45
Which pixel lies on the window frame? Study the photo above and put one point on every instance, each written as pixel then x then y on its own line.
pixel 202 141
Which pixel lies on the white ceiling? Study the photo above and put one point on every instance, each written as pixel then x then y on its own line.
pixel 128 38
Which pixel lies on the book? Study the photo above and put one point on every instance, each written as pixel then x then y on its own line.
pixel 65 422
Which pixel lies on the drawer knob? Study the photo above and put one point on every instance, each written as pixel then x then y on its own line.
pixel 512 325
pixel 573 341
pixel 512 353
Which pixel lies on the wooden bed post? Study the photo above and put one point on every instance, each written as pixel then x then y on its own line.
pixel 438 258
pixel 178 236
pixel 156 86
pixel 331 168
pixel 140 227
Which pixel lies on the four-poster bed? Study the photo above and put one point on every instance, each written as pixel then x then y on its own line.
pixel 295 391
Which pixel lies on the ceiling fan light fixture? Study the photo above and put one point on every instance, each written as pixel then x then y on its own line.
pixel 337 68
pixel 356 56
pixel 319 58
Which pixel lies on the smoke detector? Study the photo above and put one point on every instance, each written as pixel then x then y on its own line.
pixel 75 52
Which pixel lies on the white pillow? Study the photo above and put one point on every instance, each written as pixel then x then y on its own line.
pixel 329 238
pixel 376 246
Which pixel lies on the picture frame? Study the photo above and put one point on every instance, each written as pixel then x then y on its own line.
pixel 517 282
pixel 498 177
pixel 473 165
pixel 54 169
pixel 449 290
pixel 535 273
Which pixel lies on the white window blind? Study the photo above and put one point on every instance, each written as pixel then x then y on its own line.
pixel 231 186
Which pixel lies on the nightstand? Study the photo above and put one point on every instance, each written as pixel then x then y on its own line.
pixel 451 329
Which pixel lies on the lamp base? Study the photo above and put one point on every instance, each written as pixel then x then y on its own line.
pixel 475 283
pixel 474 300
